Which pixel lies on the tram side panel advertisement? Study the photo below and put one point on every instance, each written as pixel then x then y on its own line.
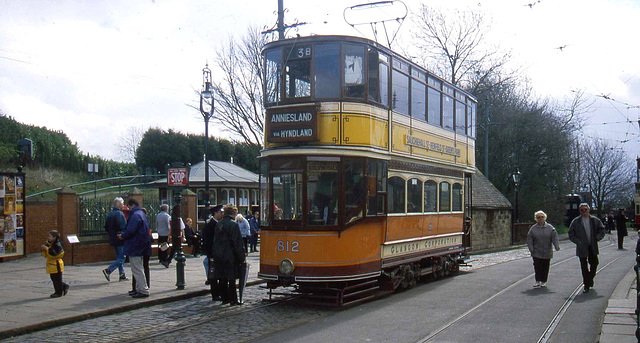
pixel 12 221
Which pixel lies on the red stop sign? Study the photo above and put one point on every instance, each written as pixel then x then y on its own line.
pixel 177 177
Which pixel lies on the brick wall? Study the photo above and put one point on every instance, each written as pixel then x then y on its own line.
pixel 41 217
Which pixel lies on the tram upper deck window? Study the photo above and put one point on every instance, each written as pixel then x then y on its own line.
pixel 327 71
pixel 434 104
pixel 353 71
pixel 273 70
pixel 447 112
pixel 460 117
pixel 400 92
pixel 297 70
pixel 418 94
pixel 471 118
pixel 322 192
pixel 374 77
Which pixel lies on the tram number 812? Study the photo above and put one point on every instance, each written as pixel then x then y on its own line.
pixel 288 246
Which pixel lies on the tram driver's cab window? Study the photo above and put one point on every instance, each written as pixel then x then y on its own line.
pixel 322 193
pixel 298 72
pixel 286 180
pixel 353 176
pixel 396 195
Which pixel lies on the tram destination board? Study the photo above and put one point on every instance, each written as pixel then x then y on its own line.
pixel 293 124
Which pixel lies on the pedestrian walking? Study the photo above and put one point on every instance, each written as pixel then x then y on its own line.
pixel 136 242
pixel 52 250
pixel 541 239
pixel 228 255
pixel 114 224
pixel 585 231
pixel 254 224
pixel 611 225
pixel 163 227
pixel 146 256
pixel 621 227
pixel 245 231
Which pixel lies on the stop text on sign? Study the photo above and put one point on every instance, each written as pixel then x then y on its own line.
pixel 177 177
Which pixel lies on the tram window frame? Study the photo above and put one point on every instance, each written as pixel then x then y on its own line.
pixel 444 197
pixel 273 96
pixel 376 188
pixel 460 112
pixel 284 208
pixel 434 112
pixel 281 166
pixel 354 190
pixel 400 90
pixel 414 197
pixel 432 196
pixel 266 209
pixel 456 197
pixel 471 118
pixel 301 87
pixel 329 74
pixel 313 197
pixel 384 84
pixel 418 100
pixel 357 88
pixel 447 112
pixel 396 195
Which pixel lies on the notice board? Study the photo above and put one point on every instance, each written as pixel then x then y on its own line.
pixel 12 214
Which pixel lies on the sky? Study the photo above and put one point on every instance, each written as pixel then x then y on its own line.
pixel 95 69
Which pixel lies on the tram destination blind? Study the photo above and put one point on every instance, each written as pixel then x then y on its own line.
pixel 292 125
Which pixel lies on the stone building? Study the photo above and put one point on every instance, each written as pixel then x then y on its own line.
pixel 491 216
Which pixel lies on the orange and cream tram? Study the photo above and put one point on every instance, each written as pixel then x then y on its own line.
pixel 366 172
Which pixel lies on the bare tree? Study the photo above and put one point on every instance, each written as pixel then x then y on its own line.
pixel 573 109
pixel 607 172
pixel 455 40
pixel 239 96
pixel 129 142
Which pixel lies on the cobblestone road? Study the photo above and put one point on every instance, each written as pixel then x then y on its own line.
pixel 209 321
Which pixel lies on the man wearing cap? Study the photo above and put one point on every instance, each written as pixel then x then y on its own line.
pixel 207 243
pixel 585 231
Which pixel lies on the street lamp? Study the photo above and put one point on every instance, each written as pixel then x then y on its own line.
pixel 516 183
pixel 206 109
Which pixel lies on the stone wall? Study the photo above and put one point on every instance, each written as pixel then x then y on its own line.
pixel 492 229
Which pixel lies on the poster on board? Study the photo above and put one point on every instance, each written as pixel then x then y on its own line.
pixel 12 214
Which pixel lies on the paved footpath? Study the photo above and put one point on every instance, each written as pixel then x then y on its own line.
pixel 25 305
pixel 25 287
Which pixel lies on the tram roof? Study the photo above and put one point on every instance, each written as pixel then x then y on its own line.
pixel 360 40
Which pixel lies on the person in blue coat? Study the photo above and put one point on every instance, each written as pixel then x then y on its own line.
pixel 136 243
pixel 114 224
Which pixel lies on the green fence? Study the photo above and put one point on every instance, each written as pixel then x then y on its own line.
pixel 93 213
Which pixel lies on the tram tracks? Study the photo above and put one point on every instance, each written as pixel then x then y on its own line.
pixel 226 314
pixel 552 325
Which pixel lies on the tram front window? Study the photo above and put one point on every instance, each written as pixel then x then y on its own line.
pixel 287 196
pixel 354 189
pixel 322 190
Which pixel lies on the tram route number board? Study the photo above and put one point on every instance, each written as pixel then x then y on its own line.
pixel 177 177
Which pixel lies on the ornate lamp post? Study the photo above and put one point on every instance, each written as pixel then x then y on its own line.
pixel 516 183
pixel 206 109
pixel 176 240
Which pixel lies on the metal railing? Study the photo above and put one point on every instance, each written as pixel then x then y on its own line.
pixel 130 183
pixel 93 214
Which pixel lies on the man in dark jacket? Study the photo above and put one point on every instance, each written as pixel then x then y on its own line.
pixel 208 233
pixel 228 255
pixel 585 231
pixel 254 225
pixel 114 225
pixel 621 227
pixel 136 242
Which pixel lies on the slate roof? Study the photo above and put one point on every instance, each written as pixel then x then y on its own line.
pixel 219 173
pixel 485 195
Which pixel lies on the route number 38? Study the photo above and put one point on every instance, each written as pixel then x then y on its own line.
pixel 286 246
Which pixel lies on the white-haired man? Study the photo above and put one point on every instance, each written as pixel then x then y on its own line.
pixel 114 224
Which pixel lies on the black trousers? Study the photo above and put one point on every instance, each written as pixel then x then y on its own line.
pixel 589 266
pixel 620 240
pixel 227 290
pixel 145 265
pixel 245 240
pixel 541 268
pixel 58 285
pixel 162 255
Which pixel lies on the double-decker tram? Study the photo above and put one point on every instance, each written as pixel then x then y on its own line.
pixel 366 172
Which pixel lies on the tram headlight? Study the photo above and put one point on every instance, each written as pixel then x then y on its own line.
pixel 286 266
